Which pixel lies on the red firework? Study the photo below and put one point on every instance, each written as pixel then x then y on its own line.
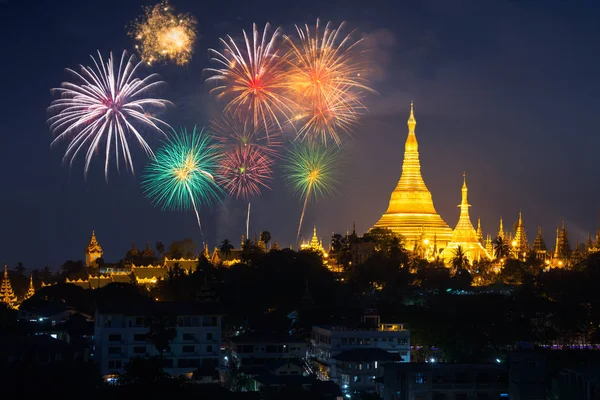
pixel 244 171
pixel 233 130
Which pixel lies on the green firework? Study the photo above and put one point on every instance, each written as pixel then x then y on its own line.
pixel 310 172
pixel 182 174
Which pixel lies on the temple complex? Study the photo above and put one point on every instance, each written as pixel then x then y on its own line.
pixel 464 235
pixel 411 212
pixel 93 252
pixel 315 244
pixel 7 295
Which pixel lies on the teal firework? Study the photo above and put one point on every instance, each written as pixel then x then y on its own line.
pixel 181 176
pixel 310 172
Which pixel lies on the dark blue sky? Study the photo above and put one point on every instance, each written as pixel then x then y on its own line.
pixel 506 90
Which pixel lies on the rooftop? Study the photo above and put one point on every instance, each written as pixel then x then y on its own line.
pixel 253 337
pixel 366 355
pixel 153 308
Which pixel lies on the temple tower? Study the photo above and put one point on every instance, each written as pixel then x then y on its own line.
pixel 464 235
pixel 7 295
pixel 411 212
pixel 479 231
pixel 93 252
pixel 520 238
pixel 539 246
pixel 31 289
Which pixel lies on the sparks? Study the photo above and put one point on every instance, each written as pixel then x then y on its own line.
pixel 244 170
pixel 103 108
pixel 183 173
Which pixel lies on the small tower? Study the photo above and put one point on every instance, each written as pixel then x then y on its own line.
pixel 93 252
pixel 501 233
pixel 148 252
pixel 479 231
pixel 520 236
pixel 205 252
pixel 488 245
pixel 31 289
pixel 275 246
pixel 539 246
pixel 7 295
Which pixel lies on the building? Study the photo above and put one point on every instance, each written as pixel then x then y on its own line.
pixel 411 212
pixel 527 374
pixel 464 235
pixel 93 252
pixel 7 296
pixel 341 351
pixel 121 331
pixel 258 350
pixel 439 381
pixel 581 383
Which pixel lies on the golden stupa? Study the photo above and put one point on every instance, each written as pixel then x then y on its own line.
pixel 411 212
pixel 464 235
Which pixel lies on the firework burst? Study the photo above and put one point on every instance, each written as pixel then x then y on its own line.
pixel 102 109
pixel 252 78
pixel 244 171
pixel 162 35
pixel 327 80
pixel 310 172
pixel 232 130
pixel 182 174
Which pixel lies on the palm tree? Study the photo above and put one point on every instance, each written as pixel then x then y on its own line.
pixel 226 247
pixel 161 334
pixel 501 249
pixel 20 268
pixel 460 260
pixel 265 236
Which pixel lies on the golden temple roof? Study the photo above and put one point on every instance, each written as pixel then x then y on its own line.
pixel 94 246
pixel 411 212
pixel 464 235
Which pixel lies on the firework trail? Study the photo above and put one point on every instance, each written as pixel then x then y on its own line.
pixel 243 171
pixel 251 77
pixel 162 35
pixel 327 80
pixel 102 108
pixel 182 174
pixel 310 172
pixel 248 221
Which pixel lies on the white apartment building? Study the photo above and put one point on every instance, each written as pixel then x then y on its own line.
pixel 121 330
pixel 252 350
pixel 334 349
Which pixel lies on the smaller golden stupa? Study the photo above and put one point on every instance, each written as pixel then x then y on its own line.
pixel 464 235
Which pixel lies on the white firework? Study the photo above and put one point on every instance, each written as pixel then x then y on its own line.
pixel 103 109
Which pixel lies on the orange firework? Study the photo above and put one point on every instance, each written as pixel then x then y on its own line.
pixel 327 80
pixel 163 35
pixel 252 77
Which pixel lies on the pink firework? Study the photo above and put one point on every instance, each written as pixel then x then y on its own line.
pixel 244 171
pixel 232 130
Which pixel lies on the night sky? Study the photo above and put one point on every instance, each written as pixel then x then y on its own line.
pixel 504 90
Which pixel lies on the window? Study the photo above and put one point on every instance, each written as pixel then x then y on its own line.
pixel 107 323
pixel 532 364
pixel 188 349
pixel 402 341
pixel 114 364
pixel 189 336
pixel 114 350
pixel 344 341
pixel 420 378
pixel 139 350
pixel 209 336
pixel 209 349
pixel 272 349
pixel 139 337
pixel 114 338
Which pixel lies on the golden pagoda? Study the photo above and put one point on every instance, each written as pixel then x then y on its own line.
pixel 7 295
pixel 314 244
pixel 93 252
pixel 519 243
pixel 411 212
pixel 31 289
pixel 464 235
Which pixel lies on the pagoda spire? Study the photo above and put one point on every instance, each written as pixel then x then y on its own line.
pixel 31 289
pixel 520 235
pixel 501 233
pixel 479 231
pixel 464 235
pixel 411 205
pixel 7 295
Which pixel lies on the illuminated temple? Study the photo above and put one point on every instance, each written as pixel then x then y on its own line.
pixel 464 235
pixel 411 212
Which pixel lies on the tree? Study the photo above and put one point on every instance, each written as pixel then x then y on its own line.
pixel 459 260
pixel 501 248
pixel 20 268
pixel 160 247
pixel 226 247
pixel 265 236
pixel 161 333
